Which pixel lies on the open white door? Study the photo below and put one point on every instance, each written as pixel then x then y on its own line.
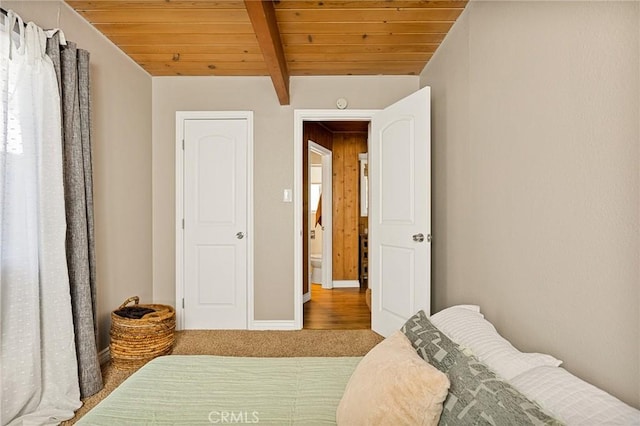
pixel 400 212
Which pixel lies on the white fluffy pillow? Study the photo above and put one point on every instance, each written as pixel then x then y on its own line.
pixel 573 400
pixel 392 385
pixel 465 325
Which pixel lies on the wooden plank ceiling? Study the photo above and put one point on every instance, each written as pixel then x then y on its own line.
pixel 277 38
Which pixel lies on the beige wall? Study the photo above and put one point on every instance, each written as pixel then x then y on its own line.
pixel 121 121
pixel 536 179
pixel 273 159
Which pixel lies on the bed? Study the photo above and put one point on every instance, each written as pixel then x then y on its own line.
pixel 472 376
pixel 205 389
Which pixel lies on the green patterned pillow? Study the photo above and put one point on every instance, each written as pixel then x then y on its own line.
pixel 477 396
pixel 432 344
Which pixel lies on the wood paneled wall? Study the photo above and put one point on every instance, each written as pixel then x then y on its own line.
pixel 347 224
pixel 346 203
pixel 322 136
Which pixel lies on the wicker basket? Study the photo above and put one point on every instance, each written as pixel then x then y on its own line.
pixel 134 342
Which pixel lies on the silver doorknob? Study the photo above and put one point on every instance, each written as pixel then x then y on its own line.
pixel 418 237
pixel 240 235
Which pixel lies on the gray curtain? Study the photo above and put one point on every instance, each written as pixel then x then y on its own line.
pixel 72 69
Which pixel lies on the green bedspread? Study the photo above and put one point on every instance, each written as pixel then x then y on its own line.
pixel 200 389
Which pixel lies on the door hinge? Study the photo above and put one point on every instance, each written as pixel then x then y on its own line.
pixel 182 223
pixel 183 144
pixel 183 303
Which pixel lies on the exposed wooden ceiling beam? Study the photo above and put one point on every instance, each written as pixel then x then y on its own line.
pixel 263 18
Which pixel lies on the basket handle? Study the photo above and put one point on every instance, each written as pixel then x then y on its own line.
pixel 135 299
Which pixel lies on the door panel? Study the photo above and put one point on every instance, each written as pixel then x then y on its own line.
pixel 214 261
pixel 215 162
pixel 397 192
pixel 397 275
pixel 215 211
pixel 400 185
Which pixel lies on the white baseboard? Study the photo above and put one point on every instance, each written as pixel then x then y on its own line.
pixel 104 356
pixel 306 297
pixel 346 283
pixel 273 325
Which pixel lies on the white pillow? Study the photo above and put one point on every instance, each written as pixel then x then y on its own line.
pixel 572 400
pixel 467 327
pixel 474 308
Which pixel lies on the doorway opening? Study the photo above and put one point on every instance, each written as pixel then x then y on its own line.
pixel 335 224
pixel 320 219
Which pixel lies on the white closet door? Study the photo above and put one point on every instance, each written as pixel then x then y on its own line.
pixel 215 223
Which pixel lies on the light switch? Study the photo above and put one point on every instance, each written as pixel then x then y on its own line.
pixel 287 197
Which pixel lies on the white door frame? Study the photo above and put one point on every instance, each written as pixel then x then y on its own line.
pixel 300 116
pixel 327 214
pixel 181 116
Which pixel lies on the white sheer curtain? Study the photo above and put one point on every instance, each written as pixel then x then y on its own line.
pixel 39 378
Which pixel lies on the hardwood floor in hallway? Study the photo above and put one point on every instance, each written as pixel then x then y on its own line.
pixel 336 309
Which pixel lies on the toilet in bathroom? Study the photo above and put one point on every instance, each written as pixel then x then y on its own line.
pixel 316 268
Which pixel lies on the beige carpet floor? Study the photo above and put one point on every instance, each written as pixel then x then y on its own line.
pixel 302 343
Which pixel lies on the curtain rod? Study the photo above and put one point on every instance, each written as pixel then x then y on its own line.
pixel 49 33
pixel 6 14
